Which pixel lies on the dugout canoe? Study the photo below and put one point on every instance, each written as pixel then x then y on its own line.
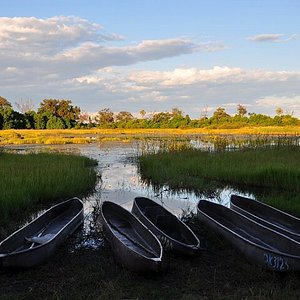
pixel 34 243
pixel 172 232
pixel 260 245
pixel 133 244
pixel 267 215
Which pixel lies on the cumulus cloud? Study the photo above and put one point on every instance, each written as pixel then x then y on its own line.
pixel 68 47
pixel 189 76
pixel 292 102
pixel 39 38
pixel 69 57
pixel 272 37
pixel 95 55
pixel 193 89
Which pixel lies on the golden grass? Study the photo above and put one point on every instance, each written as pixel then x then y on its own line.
pixel 82 136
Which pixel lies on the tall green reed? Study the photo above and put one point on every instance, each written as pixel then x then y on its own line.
pixel 251 170
pixel 27 179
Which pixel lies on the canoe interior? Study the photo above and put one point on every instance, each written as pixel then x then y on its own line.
pixel 42 229
pixel 267 213
pixel 248 229
pixel 165 221
pixel 130 231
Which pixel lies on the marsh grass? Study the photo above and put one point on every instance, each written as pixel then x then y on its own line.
pixel 27 179
pixel 83 136
pixel 272 169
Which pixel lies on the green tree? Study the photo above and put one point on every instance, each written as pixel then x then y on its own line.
pixel 30 119
pixel 1 121
pixel 41 120
pixel 55 123
pixel 241 110
pixel 260 119
pixel 62 109
pixel 220 116
pixel 12 119
pixel 105 117
pixel 124 116
pixel 142 113
pixel 49 106
pixel 176 111
pixel 161 120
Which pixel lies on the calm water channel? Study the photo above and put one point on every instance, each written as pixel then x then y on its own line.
pixel 120 182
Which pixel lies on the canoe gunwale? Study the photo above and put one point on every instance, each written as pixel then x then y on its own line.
pixel 194 247
pixel 281 229
pixel 163 233
pixel 274 208
pixel 39 246
pixel 134 242
pixel 249 241
pixel 108 224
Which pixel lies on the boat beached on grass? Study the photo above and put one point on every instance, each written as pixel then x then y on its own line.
pixel 260 244
pixel 133 244
pixel 34 243
pixel 267 215
pixel 173 233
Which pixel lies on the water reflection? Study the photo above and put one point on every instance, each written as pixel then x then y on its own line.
pixel 120 181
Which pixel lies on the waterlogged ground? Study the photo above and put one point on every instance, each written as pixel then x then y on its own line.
pixel 121 183
pixel 84 268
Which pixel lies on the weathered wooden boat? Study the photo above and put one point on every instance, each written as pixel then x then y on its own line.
pixel 260 245
pixel 172 232
pixel 133 244
pixel 35 242
pixel 267 215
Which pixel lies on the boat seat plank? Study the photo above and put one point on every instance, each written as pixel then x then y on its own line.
pixel 48 232
pixel 40 239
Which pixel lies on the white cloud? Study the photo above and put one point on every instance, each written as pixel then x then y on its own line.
pixel 69 57
pixel 272 37
pixel 275 101
pixel 218 75
pixel 72 47
pixel 193 89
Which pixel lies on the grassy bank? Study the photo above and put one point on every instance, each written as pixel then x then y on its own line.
pixel 26 180
pixel 220 272
pixel 272 169
pixel 83 136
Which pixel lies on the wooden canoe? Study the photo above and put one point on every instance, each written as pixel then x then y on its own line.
pixel 35 242
pixel 173 233
pixel 260 245
pixel 133 244
pixel 267 215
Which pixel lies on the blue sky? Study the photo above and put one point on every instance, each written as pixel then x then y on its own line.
pixel 153 55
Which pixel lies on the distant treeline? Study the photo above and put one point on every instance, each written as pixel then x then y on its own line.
pixel 61 114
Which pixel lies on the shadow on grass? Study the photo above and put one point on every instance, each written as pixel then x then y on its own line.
pixel 220 272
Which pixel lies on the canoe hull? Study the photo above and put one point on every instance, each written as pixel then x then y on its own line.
pixel 267 257
pixel 169 243
pixel 40 253
pixel 267 215
pixel 123 252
